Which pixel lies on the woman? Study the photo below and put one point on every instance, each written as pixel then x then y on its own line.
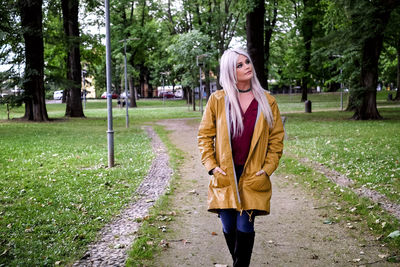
pixel 241 141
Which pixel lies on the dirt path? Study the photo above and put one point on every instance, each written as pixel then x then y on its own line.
pixel 293 235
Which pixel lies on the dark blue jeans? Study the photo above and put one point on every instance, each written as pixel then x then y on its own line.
pixel 232 220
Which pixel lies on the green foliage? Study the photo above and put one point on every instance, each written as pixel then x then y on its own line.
pixel 183 51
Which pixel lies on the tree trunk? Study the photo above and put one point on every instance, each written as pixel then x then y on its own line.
pixel 307 32
pixel 371 50
pixel 133 93
pixel 193 96
pixel 255 39
pixel 269 29
pixel 70 9
pixel 397 98
pixel 31 23
pixel 207 80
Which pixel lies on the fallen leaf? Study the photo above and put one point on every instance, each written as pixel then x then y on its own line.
pixel 394 234
pixel 214 233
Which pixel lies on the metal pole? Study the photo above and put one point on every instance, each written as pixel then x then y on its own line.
pixel 126 88
pixel 201 94
pixel 341 91
pixel 110 132
pixel 163 89
pixel 84 91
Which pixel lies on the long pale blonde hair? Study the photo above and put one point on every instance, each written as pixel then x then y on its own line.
pixel 228 82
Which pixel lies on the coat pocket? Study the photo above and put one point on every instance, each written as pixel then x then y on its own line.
pixel 219 180
pixel 259 183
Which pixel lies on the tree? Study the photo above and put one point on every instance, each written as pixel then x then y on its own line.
pixel 371 26
pixel 183 51
pixel 306 28
pixel 70 9
pixel 255 39
pixel 31 23
pixel 270 23
pixel 392 49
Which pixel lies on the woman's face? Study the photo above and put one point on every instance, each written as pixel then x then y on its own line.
pixel 244 69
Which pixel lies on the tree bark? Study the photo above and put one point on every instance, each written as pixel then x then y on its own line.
pixel 255 39
pixel 307 32
pixel 371 50
pixel 31 23
pixel 269 29
pixel 207 80
pixel 397 98
pixel 70 9
pixel 133 93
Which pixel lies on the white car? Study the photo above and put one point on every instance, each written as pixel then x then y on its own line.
pixel 58 95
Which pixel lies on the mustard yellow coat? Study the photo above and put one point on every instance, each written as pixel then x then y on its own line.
pixel 251 192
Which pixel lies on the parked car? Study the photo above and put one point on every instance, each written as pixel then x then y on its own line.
pixel 166 95
pixel 58 95
pixel 113 95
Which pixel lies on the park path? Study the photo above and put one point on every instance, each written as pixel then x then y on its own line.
pixel 294 234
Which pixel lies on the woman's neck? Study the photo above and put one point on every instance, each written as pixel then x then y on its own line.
pixel 243 85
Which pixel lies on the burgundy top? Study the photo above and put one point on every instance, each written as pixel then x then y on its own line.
pixel 241 144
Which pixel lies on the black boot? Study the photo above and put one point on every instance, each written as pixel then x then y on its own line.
pixel 243 249
pixel 231 242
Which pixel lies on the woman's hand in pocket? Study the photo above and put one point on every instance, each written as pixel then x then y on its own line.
pixel 261 172
pixel 218 169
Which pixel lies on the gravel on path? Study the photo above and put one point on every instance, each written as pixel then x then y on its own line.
pixel 116 237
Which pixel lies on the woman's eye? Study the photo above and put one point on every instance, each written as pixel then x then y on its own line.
pixel 247 61
pixel 239 65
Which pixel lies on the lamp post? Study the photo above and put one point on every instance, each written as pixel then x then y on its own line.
pixel 110 131
pixel 84 72
pixel 126 88
pixel 163 91
pixel 341 84
pixel 200 63
pixel 126 81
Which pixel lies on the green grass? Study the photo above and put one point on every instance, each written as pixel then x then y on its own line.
pixel 341 205
pixel 366 151
pixel 323 101
pixel 150 236
pixel 55 190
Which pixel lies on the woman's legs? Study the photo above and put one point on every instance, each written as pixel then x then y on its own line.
pixel 239 234
pixel 238 228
